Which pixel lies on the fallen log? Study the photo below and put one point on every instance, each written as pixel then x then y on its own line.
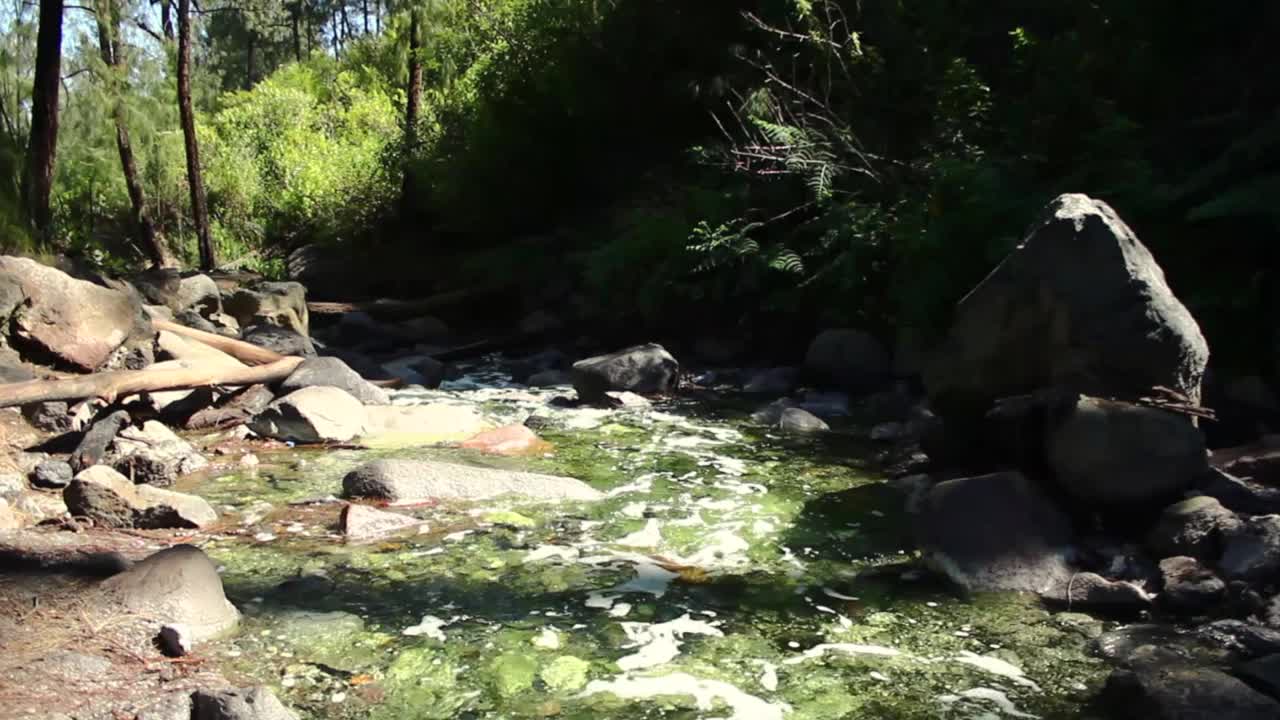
pixel 121 383
pixel 247 353
pixel 402 309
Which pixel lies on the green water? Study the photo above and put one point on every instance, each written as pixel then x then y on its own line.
pixel 764 601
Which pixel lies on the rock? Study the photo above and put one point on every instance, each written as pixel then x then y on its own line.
pixel 801 422
pixel 11 485
pixel 198 293
pixel 408 481
pixel 361 523
pixel 523 369
pixel 336 639
pixel 773 381
pixel 174 706
pixel 11 518
pixel 176 640
pixel 418 425
pixel 421 370
pixel 257 703
pixel 176 586
pixel 891 431
pixel 1193 527
pixel 232 409
pixel 109 499
pixel 1142 644
pixel 52 474
pixel 771 414
pixel 1262 675
pixel 278 339
pixel 507 440
pixel 1244 640
pixel 995 532
pixel 279 304
pixel 1189 587
pixel 11 370
pixel 825 404
pixel 326 271
pixel 1090 590
pixel 1108 453
pixel 641 369
pixel 332 372
pixel 312 415
pixel 1259 462
pixel 39 506
pixel 1183 693
pixel 78 323
pixel 1271 613
pixel 92 448
pixel 852 360
pixel 625 399
pixel 48 416
pixel 426 328
pixel 1081 303
pixel 157 285
pixel 1240 495
pixel 1252 551
pixel 550 378
pixel 154 455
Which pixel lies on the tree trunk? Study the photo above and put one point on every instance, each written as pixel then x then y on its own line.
pixel 199 210
pixel 346 22
pixel 364 10
pixel 408 189
pixel 250 49
pixel 37 185
pixel 297 33
pixel 377 15
pixel 337 39
pixel 109 43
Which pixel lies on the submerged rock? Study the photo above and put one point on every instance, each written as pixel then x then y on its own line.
pixel 108 498
pixel 408 481
pixel 1189 586
pixel 1109 453
pixel 508 440
pixel 1184 693
pixel 641 369
pixel 798 421
pixel 418 425
pixel 332 372
pixel 852 360
pixel 257 703
pixel 312 415
pixel 362 523
pixel 995 532
pixel 179 585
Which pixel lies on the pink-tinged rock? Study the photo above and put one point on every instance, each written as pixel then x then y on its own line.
pixel 80 323
pixel 509 440
pixel 361 522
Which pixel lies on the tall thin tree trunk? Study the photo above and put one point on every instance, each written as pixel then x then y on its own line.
pixel 199 210
pixel 297 33
pixel 408 189
pixel 377 15
pixel 42 149
pixel 250 50
pixel 364 10
pixel 152 244
pixel 337 39
pixel 346 22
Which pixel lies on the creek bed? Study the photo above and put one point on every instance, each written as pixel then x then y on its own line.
pixel 728 573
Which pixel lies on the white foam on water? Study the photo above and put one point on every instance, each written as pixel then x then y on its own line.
pixel 660 643
pixel 843 648
pixel 644 483
pixel 837 595
pixel 430 627
pixel 768 675
pixel 647 537
pixel 549 552
pixel 634 510
pixel 1000 700
pixel 548 639
pixel 995 666
pixel 704 692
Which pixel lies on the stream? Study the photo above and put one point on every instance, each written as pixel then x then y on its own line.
pixel 729 573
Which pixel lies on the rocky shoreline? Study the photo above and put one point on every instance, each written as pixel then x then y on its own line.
pixel 1055 443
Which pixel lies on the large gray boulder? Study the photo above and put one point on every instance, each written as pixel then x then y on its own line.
pixel 332 372
pixel 995 532
pixel 176 586
pixel 1183 693
pixel 1189 586
pixel 109 499
pixel 1108 453
pixel 852 360
pixel 283 340
pixel 639 369
pixel 1081 303
pixel 312 415
pixel 282 304
pixel 76 322
pixel 256 703
pixel 153 454
pixel 167 287
pixel 409 481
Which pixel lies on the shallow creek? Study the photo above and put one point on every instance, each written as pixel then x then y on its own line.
pixel 729 573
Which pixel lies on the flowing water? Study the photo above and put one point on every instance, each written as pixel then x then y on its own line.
pixel 729 573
